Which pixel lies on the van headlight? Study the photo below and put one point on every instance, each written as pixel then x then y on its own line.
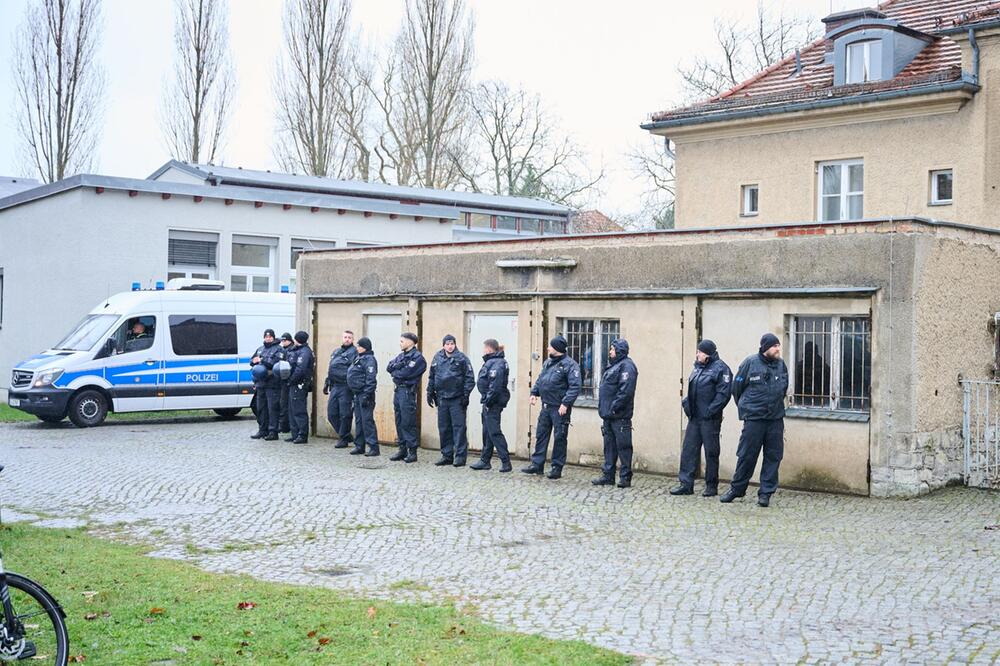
pixel 47 377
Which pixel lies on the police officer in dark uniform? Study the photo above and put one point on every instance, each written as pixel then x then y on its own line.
pixel 494 396
pixel 267 388
pixel 449 384
pixel 708 391
pixel 558 385
pixel 286 348
pixel 362 380
pixel 759 391
pixel 406 370
pixel 299 385
pixel 615 403
pixel 339 410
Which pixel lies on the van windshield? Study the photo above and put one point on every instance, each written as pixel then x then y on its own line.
pixel 87 333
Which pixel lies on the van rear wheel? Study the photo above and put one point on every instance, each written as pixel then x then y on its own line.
pixel 88 408
pixel 228 413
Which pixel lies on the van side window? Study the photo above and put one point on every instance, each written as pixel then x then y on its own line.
pixel 203 335
pixel 135 334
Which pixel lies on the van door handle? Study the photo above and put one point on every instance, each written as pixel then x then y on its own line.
pixel 149 361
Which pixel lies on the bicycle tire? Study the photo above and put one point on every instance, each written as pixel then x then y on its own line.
pixel 52 609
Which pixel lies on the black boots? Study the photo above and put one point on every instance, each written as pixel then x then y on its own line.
pixel 258 435
pixel 603 481
pixel 710 491
pixel 357 451
pixel 764 500
pixel 411 456
pixel 480 465
pixel 398 455
pixel 682 490
pixel 442 461
pixel 554 473
pixel 505 466
pixel 729 496
pixel 533 469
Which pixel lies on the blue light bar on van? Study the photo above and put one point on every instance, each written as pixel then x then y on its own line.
pixel 284 288
pixel 160 286
pixel 136 286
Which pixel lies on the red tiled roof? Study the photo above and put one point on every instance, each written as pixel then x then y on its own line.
pixel 594 222
pixel 940 61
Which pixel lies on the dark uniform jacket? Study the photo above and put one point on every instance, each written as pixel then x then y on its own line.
pixel 450 377
pixel 709 388
pixel 492 380
pixel 340 361
pixel 759 388
pixel 302 361
pixel 269 355
pixel 362 376
pixel 407 367
pixel 559 381
pixel 616 396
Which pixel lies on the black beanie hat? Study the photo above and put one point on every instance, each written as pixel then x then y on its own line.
pixel 412 337
pixel 767 341
pixel 302 337
pixel 449 338
pixel 558 343
pixel 269 331
pixel 707 347
pixel 286 336
pixel 365 343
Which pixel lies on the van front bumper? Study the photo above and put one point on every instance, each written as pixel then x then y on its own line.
pixel 40 402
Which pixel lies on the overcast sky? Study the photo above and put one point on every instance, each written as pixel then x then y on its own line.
pixel 599 66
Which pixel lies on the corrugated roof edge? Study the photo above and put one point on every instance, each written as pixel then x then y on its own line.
pixel 302 199
pixel 378 190
pixel 791 107
pixel 707 231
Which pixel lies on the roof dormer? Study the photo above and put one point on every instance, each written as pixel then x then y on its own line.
pixel 868 46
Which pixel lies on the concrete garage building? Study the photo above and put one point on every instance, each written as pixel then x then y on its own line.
pixel 67 245
pixel 879 319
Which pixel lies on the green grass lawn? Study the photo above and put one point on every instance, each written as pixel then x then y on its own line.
pixel 10 415
pixel 145 610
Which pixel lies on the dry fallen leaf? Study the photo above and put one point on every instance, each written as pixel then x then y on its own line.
pixel 90 616
pixel 324 640
pixel 156 611
pixel 245 605
pixel 311 634
pixel 77 658
pixel 372 612
pixel 196 637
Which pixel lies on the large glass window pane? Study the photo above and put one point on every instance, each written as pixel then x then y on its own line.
pixel 261 283
pixel 831 208
pixel 531 226
pixel 855 364
pixel 813 345
pixel 855 207
pixel 480 221
pixel 553 227
pixel 506 223
pixel 831 179
pixel 87 333
pixel 249 254
pixel 579 334
pixel 201 335
pixel 856 177
pixel 238 283
pixel 942 186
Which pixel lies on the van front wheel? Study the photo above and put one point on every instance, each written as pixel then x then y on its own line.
pixel 88 409
pixel 227 413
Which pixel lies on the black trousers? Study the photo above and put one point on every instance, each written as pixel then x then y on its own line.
pixel 268 408
pixel 365 432
pixel 493 437
pixel 451 428
pixel 404 404
pixel 617 448
pixel 700 433
pixel 298 415
pixel 284 424
pixel 340 411
pixel 768 435
pixel 551 424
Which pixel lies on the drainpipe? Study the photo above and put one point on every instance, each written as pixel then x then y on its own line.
pixel 975 55
pixel 666 148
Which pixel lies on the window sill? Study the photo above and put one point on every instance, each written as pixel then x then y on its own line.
pixel 749 214
pixel 827 415
pixel 941 203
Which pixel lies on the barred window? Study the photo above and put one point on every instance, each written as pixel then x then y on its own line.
pixel 832 363
pixel 587 340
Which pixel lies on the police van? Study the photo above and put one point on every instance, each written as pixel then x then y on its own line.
pixel 183 345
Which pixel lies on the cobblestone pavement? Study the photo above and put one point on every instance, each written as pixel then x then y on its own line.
pixel 813 578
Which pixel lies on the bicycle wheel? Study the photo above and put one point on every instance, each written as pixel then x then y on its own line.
pixel 39 620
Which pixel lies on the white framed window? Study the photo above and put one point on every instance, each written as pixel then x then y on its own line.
pixel 192 254
pixel 864 62
pixel 841 189
pixel 362 244
pixel 588 341
pixel 750 200
pixel 831 363
pixel 299 244
pixel 942 181
pixel 252 262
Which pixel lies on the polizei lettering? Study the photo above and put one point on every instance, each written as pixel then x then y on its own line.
pixel 201 377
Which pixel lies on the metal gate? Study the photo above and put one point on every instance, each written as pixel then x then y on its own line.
pixel 981 433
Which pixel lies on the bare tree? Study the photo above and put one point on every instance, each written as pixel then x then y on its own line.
pixel 743 49
pixel 316 61
pixel 653 164
pixel 517 151
pixel 197 103
pixel 59 85
pixel 423 95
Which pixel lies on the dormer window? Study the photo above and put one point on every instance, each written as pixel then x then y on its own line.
pixel 864 61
